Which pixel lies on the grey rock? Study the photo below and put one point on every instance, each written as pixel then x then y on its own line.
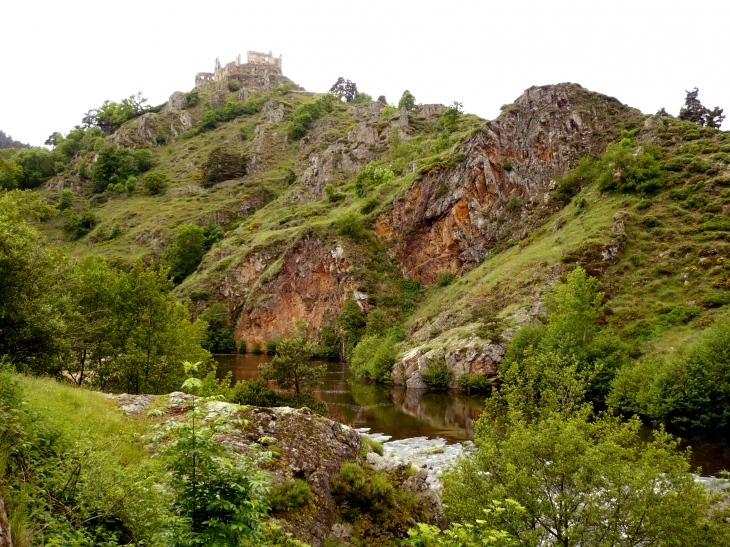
pixel 175 102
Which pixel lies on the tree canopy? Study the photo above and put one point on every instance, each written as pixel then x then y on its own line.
pixel 291 368
pixel 694 111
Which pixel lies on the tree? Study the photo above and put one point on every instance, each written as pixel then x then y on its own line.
pixel 6 141
pixel 110 115
pixel 31 273
pixel 345 89
pixel 290 368
pixel 693 111
pixel 155 183
pixel 219 334
pixel 186 251
pixel 407 101
pixel 10 174
pixel 583 480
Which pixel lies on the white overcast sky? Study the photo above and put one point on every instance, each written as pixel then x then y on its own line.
pixel 59 59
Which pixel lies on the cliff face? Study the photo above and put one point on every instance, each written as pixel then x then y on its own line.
pixel 454 214
pixel 308 283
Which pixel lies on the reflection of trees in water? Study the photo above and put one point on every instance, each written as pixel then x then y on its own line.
pixel 449 410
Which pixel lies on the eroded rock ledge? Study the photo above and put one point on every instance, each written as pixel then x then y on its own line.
pixel 308 446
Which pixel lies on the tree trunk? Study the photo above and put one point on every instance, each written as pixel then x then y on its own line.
pixel 6 536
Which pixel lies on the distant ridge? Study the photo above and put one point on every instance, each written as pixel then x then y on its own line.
pixel 6 141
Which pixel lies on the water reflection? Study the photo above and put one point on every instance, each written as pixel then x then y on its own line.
pixel 417 413
pixel 396 412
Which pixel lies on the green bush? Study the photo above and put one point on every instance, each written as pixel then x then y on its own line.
pixel 257 393
pixel 374 357
pixel 77 226
pixel 65 200
pixel 374 445
pixel 242 347
pixel 445 279
pixel 473 382
pixel 155 183
pixel 234 86
pixel 352 225
pixel 270 347
pixel 437 375
pixel 290 494
pixel 256 350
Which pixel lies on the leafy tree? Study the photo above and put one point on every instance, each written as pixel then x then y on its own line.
pixel 583 480
pixel 31 273
pixel 116 164
pixel 407 101
pixel 344 89
pixel 186 251
pixel 219 334
pixel 38 165
pixel 220 496
pixel 65 200
pixel 155 183
pixel 10 174
pixel 290 367
pixel 450 117
pixel 373 358
pixel 693 111
pixel 110 115
pixel 77 226
pixel 572 330
pixel 351 322
pixel 689 392
pixel 192 98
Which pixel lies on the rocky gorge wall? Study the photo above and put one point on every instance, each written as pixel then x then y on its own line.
pixel 451 217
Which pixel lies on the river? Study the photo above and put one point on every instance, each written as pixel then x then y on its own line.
pixel 400 414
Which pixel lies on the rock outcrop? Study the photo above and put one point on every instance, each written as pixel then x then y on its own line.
pixel 455 212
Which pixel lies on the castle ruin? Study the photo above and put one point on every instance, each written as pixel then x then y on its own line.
pixel 260 70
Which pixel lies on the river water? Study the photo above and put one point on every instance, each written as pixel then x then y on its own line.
pixel 400 414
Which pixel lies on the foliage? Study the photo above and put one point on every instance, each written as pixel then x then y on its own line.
pixel 290 494
pixel 219 334
pixel 407 101
pixel 689 392
pixel 305 115
pixel 537 443
pixel 65 200
pixel 155 183
pixel 450 117
pixel 10 174
pixel 351 322
pixel 116 164
pixel 77 226
pixel 290 367
pixel 372 177
pixel 344 89
pixel 445 279
pixel 35 166
pixel 352 224
pixel 257 393
pixel 693 111
pixel 469 535
pixel 31 300
pixel 71 472
pixel 220 496
pixel 185 252
pixel 474 382
pixel 111 115
pixel 192 98
pixel 374 445
pixel 222 165
pixel 573 331
pixel 437 374
pixel 374 357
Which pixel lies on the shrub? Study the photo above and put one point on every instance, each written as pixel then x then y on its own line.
pixel 445 279
pixel 437 374
pixel 374 445
pixel 65 200
pixel 256 350
pixel 352 225
pixel 333 196
pixel 270 347
pixel 77 226
pixel 233 85
pixel 257 393
pixel 407 101
pixel 191 99
pixel 473 382
pixel 290 494
pixel 374 357
pixel 242 346
pixel 155 183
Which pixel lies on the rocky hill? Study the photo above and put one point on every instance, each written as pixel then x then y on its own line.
pixel 426 213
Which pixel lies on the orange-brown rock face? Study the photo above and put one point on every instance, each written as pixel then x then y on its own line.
pixel 452 216
pixel 310 286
